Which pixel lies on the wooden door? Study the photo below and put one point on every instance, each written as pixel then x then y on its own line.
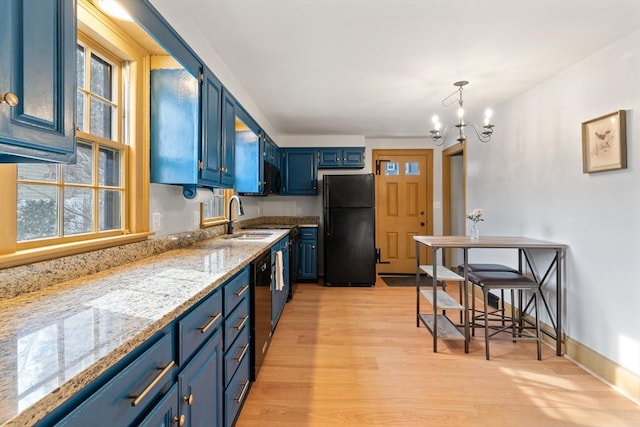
pixel 404 206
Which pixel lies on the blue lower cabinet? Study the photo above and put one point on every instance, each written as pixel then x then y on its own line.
pixel 129 395
pixel 165 413
pixel 236 393
pixel 201 386
pixel 308 254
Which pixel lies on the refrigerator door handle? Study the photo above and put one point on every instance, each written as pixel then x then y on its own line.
pixel 327 225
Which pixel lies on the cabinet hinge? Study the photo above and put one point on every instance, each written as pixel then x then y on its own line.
pixel 201 76
pixel 200 165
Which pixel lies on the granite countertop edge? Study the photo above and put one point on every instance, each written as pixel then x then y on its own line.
pixel 54 398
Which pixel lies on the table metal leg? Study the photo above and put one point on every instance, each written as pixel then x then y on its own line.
pixel 434 257
pixel 558 303
pixel 466 301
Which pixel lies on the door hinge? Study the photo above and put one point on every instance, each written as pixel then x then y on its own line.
pixel 378 260
pixel 378 163
pixel 201 76
pixel 200 165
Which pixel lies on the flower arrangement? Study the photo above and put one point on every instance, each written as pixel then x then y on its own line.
pixel 476 215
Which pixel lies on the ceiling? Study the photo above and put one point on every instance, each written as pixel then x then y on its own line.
pixel 381 68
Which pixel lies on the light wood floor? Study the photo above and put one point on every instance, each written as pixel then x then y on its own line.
pixel 354 357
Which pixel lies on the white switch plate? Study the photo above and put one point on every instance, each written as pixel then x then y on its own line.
pixel 157 222
pixel 196 218
pixel 298 211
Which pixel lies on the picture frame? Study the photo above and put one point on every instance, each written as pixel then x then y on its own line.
pixel 604 143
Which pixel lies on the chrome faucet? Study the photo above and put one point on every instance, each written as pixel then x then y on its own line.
pixel 240 212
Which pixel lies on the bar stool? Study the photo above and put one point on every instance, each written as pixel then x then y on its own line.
pixel 504 280
pixel 472 268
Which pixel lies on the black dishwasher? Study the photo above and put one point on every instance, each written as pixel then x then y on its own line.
pixel 260 311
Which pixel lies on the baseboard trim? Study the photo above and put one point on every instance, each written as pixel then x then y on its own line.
pixel 617 377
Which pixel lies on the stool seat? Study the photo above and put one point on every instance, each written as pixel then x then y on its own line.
pixel 487 267
pixel 501 280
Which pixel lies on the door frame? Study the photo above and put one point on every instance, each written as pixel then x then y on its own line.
pixel 428 154
pixel 447 154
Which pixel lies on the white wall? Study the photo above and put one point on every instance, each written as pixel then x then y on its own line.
pixel 529 180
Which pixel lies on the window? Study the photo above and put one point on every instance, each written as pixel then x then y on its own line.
pixel 62 202
pixel 215 210
pixel 47 210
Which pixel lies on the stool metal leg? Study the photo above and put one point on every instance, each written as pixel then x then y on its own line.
pixel 536 293
pixel 485 293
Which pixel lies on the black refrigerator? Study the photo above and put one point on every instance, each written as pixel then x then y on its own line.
pixel 349 230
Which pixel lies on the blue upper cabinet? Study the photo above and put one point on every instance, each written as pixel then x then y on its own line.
pixel 37 81
pixel 249 155
pixel 341 158
pixel 189 105
pixel 228 144
pixel 300 170
pixel 211 167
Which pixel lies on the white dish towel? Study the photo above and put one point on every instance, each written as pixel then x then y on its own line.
pixel 279 271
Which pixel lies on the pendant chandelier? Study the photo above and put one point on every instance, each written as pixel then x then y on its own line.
pixel 483 134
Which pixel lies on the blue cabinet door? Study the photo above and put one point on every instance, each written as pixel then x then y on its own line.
pixel 308 261
pixel 227 147
pixel 165 413
pixel 353 157
pixel 341 158
pixel 300 171
pixel 38 65
pixel 211 161
pixel 330 158
pixel 201 386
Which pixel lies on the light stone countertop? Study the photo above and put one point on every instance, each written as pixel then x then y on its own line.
pixel 55 341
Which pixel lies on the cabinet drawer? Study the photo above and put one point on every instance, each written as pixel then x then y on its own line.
pixel 236 289
pixel 128 395
pixel 236 355
pixel 198 325
pixel 308 233
pixel 236 393
pixel 234 323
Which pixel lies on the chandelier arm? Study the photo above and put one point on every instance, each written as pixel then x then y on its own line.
pixel 439 138
pixel 482 135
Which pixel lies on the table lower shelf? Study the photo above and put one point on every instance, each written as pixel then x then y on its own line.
pixel 446 329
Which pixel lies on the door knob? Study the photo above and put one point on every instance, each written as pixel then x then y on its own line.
pixel 10 98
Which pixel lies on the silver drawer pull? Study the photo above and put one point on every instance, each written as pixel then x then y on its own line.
pixel 156 380
pixel 242 353
pixel 245 387
pixel 244 320
pixel 213 320
pixel 242 290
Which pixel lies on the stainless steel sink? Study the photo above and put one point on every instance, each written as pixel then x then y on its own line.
pixel 250 235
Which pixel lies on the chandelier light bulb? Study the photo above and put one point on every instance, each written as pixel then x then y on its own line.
pixel 460 112
pixel 487 116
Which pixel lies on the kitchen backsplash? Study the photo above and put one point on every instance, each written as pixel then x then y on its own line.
pixel 33 277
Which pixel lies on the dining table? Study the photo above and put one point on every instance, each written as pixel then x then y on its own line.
pixel 552 265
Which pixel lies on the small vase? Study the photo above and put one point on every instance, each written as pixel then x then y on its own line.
pixel 475 232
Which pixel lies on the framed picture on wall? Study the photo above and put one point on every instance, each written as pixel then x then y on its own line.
pixel 604 143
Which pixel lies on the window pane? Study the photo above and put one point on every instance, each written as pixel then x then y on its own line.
pixel 81 172
pixel 412 168
pixel 109 167
pixel 38 172
pixel 110 202
pixel 37 211
pixel 80 66
pixel 100 77
pixel 100 119
pixel 80 111
pixel 78 212
pixel 391 169
pixel 215 207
